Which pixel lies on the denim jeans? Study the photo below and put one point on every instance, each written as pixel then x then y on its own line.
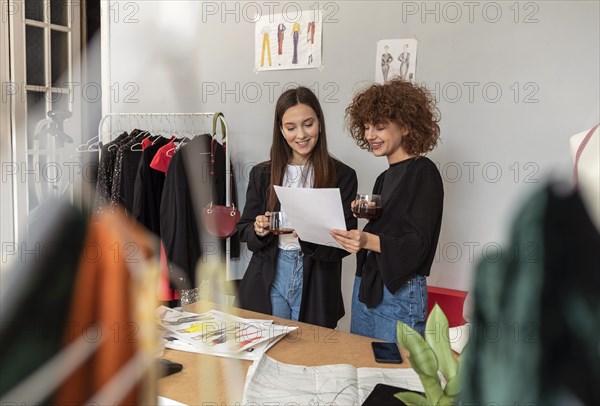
pixel 286 288
pixel 408 304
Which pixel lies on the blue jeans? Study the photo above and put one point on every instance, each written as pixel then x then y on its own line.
pixel 286 288
pixel 408 304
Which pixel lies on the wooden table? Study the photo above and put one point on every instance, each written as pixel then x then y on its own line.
pixel 207 379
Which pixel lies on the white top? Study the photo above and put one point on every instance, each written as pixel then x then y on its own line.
pixel 298 176
pixel 588 169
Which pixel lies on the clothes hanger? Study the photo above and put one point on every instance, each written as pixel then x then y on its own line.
pixel 117 131
pixel 203 125
pixel 189 128
pixel 90 146
pixel 97 145
pixel 171 151
pixel 169 129
pixel 190 135
pixel 131 127
pixel 140 133
pixel 138 146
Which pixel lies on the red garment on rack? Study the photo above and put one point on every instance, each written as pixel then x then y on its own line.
pixel 161 160
pixel 146 142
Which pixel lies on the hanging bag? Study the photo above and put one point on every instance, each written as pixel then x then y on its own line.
pixel 219 220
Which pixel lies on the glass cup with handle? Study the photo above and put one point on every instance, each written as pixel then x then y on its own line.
pixel 367 206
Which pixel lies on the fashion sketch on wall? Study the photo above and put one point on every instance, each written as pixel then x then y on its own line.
pixel 284 43
pixel 396 57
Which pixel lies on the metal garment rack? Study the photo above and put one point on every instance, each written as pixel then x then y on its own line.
pixel 115 123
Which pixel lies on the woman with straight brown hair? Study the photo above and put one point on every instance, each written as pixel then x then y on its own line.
pixel 288 277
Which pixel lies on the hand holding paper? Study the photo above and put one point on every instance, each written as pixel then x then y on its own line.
pixel 313 213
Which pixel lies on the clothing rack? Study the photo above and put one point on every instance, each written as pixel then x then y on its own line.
pixel 155 122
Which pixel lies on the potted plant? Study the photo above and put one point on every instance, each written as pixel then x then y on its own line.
pixel 431 357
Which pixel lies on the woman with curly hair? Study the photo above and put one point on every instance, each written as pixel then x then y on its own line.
pixel 398 121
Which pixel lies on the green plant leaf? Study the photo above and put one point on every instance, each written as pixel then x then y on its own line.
pixel 422 357
pixel 437 336
pixel 447 401
pixel 453 386
pixel 461 359
pixel 412 399
pixel 433 388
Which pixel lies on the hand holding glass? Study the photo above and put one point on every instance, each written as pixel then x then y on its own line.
pixel 278 223
pixel 367 206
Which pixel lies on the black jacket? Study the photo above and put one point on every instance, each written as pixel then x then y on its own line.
pixel 408 230
pixel 322 302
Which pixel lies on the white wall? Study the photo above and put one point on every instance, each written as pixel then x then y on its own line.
pixel 543 57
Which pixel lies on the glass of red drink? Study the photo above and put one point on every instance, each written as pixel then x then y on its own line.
pixel 367 206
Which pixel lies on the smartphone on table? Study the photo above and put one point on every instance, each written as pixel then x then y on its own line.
pixel 387 353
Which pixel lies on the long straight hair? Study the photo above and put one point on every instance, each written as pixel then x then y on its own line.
pixel 281 153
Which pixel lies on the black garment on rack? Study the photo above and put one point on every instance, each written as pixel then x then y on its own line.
pixel 148 189
pixel 106 167
pixel 182 202
pixel 130 161
pixel 119 173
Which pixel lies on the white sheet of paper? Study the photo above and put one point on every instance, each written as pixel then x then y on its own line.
pixel 269 380
pixel 313 213
pixel 162 401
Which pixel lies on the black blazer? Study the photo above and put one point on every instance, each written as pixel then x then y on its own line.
pixel 322 302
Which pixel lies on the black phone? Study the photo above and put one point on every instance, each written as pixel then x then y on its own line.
pixel 383 395
pixel 386 353
pixel 167 367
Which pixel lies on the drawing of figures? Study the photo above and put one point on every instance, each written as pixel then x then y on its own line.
pixel 310 38
pixel 280 29
pixel 310 32
pixel 266 44
pixel 295 43
pixel 296 36
pixel 386 59
pixel 404 59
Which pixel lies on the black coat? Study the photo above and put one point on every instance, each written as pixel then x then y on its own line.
pixel 148 187
pixel 187 189
pixel 322 302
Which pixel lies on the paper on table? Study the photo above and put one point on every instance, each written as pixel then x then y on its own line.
pixel 313 213
pixel 219 333
pixel 269 380
pixel 162 401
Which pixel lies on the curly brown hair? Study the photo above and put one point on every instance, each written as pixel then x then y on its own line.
pixel 409 105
